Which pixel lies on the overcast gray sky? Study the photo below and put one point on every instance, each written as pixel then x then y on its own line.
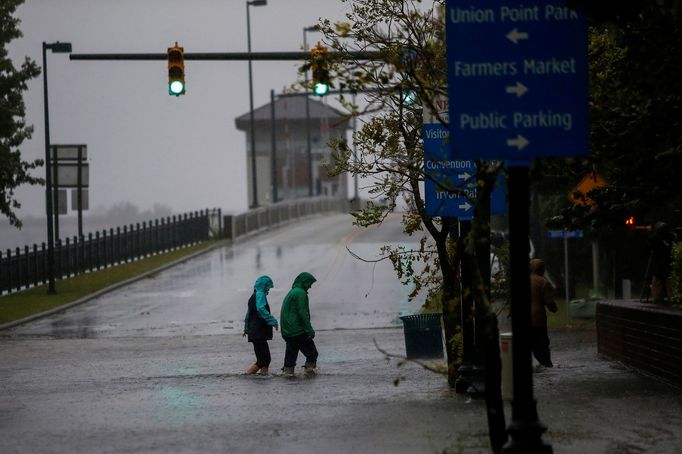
pixel 145 146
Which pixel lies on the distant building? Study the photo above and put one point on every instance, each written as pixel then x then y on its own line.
pixel 291 148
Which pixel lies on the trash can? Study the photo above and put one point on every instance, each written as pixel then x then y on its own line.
pixel 423 335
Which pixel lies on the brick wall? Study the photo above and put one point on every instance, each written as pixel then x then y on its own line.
pixel 644 336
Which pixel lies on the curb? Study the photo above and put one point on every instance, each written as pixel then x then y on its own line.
pixel 112 287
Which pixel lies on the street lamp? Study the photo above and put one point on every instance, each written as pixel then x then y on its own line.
pixel 254 183
pixel 57 48
pixel 313 28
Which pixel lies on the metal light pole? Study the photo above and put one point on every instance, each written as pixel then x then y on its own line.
pixel 356 196
pixel 56 48
pixel 273 156
pixel 254 183
pixel 307 115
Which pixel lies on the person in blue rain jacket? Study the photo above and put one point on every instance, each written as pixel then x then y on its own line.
pixel 258 325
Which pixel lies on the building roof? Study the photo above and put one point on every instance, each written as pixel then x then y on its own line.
pixel 291 108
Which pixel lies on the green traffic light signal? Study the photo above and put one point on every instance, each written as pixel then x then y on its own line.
pixel 408 96
pixel 321 89
pixel 176 88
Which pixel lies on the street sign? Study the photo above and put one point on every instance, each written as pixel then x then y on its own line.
pixel 62 205
pixel 588 183
pixel 554 234
pixel 84 197
pixel 443 176
pixel 517 79
pixel 67 175
pixel 68 152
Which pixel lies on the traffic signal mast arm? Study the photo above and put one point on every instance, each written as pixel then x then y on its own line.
pixel 233 56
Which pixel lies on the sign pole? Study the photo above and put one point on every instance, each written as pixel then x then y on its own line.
pixel 79 190
pixel 525 428
pixel 55 186
pixel 466 370
pixel 568 312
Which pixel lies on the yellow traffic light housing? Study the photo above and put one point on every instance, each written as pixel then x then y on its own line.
pixel 320 69
pixel 176 70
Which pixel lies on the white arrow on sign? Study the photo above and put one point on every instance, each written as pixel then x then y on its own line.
pixel 519 89
pixel 465 206
pixel 515 35
pixel 519 142
pixel 463 176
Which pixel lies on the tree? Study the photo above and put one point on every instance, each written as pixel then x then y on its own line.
pixel 635 118
pixel 407 79
pixel 13 129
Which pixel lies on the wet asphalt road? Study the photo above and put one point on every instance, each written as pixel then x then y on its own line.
pixel 156 367
pixel 208 295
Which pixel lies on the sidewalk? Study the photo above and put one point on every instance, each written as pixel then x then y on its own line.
pixel 187 394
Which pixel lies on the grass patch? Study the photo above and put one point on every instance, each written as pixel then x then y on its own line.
pixel 32 301
pixel 559 319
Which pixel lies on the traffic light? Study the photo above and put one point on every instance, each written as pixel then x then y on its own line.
pixel 176 70
pixel 320 69
pixel 631 223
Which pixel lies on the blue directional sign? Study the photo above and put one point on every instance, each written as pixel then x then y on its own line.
pixel 517 79
pixel 449 186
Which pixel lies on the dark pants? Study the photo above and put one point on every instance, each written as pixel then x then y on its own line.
pixel 262 351
pixel 540 341
pixel 302 343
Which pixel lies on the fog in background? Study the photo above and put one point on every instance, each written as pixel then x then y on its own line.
pixel 147 148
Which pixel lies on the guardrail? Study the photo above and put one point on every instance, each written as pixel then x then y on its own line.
pixel 242 224
pixel 27 267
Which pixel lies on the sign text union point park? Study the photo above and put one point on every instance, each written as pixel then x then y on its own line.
pixel 517 79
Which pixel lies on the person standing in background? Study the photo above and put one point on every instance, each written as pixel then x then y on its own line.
pixel 541 298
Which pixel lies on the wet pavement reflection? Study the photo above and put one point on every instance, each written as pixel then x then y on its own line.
pixel 208 295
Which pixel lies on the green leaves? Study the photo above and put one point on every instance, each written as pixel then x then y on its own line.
pixel 13 129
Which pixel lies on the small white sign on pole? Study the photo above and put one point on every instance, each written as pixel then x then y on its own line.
pixel 84 196
pixel 67 175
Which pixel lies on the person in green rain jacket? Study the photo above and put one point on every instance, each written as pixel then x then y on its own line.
pixel 258 325
pixel 297 331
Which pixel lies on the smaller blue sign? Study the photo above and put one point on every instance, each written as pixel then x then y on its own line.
pixel 450 188
pixel 450 185
pixel 554 234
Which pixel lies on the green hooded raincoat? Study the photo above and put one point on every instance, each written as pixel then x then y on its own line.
pixel 295 314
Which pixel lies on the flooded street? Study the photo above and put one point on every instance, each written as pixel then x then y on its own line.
pixel 208 295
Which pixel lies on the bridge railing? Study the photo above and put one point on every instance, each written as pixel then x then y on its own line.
pixel 243 224
pixel 27 266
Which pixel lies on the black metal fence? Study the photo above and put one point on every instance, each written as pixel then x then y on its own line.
pixel 27 267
